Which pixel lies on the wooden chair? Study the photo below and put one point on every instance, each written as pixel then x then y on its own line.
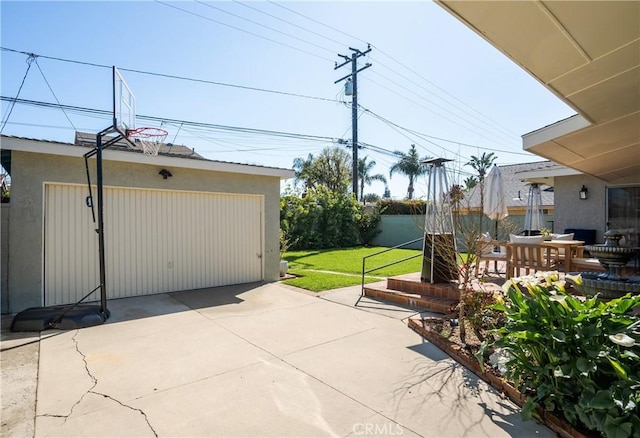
pixel 486 254
pixel 530 257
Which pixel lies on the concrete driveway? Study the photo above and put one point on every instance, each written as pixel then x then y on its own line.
pixel 259 360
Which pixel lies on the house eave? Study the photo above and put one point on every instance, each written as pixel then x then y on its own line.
pixel 71 150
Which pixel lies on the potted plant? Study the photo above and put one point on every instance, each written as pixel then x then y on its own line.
pixel 546 232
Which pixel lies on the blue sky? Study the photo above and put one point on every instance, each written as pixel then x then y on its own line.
pixel 430 74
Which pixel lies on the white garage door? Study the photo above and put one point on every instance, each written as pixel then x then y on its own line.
pixel 156 241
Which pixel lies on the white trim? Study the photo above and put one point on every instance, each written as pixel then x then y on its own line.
pixel 43 246
pixel 552 132
pixel 548 173
pixel 69 150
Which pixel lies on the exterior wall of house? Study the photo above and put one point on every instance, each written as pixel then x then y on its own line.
pixel 4 256
pixel 30 171
pixel 573 212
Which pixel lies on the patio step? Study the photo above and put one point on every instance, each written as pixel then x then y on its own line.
pixel 411 283
pixel 438 304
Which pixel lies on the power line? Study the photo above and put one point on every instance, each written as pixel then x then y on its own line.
pixel 54 94
pixel 257 131
pixel 440 88
pixel 182 78
pixel 24 78
pixel 241 30
pixel 441 108
pixel 289 23
pixel 417 133
pixel 318 22
pixel 264 25
pixel 505 130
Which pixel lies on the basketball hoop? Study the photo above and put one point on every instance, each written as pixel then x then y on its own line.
pixel 149 138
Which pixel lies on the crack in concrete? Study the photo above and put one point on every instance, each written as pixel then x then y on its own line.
pixel 91 391
pixel 144 415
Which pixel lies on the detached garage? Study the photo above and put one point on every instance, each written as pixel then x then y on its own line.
pixel 209 224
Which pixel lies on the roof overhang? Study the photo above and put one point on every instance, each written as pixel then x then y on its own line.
pixel 588 54
pixel 71 150
pixel 546 176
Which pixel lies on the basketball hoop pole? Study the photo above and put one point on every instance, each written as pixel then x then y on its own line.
pixel 114 120
pixel 97 151
pixel 103 276
pixel 120 134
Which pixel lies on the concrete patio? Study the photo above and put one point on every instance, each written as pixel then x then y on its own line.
pixel 256 360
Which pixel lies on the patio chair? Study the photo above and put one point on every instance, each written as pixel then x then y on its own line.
pixel 530 257
pixel 491 250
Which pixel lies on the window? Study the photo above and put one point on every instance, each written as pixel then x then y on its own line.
pixel 623 212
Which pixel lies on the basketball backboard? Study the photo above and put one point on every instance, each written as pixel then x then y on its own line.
pixel 124 104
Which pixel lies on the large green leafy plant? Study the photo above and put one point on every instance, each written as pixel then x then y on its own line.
pixel 323 218
pixel 577 357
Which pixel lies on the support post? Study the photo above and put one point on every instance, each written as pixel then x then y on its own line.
pixel 354 106
pixel 354 123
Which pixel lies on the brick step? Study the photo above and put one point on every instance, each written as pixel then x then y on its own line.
pixel 411 284
pixel 429 303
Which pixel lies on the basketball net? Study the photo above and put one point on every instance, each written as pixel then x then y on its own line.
pixel 149 138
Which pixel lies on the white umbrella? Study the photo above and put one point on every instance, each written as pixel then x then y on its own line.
pixel 495 205
pixel 534 218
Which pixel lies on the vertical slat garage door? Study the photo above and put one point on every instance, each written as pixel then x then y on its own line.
pixel 156 241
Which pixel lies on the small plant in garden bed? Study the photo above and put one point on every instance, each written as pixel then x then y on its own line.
pixel 578 358
pixel 479 320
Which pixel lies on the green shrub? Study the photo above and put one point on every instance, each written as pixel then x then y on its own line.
pixel 409 207
pixel 368 223
pixel 326 219
pixel 573 356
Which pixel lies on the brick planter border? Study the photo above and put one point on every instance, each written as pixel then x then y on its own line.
pixel 553 422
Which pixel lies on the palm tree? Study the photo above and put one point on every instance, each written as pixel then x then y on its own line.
pixel 364 170
pixel 410 165
pixel 470 182
pixel 481 165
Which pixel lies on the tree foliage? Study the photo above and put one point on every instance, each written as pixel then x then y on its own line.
pixel 323 218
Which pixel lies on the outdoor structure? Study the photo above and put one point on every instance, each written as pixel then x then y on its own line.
pixel 397 229
pixel 439 245
pixel 588 54
pixel 174 221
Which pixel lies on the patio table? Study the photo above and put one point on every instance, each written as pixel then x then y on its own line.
pixel 570 249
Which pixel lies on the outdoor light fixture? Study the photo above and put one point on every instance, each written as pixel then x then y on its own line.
pixel 166 174
pixel 583 193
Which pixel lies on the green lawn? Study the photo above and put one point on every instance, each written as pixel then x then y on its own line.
pixel 321 270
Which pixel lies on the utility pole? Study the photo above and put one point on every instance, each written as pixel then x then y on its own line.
pixel 353 77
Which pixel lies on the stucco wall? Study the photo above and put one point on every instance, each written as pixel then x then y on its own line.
pixel 4 255
pixel 30 171
pixel 398 229
pixel 573 212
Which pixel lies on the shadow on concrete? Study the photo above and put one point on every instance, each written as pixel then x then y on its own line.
pixel 213 296
pixel 147 306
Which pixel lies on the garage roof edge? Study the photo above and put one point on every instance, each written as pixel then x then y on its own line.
pixel 71 150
